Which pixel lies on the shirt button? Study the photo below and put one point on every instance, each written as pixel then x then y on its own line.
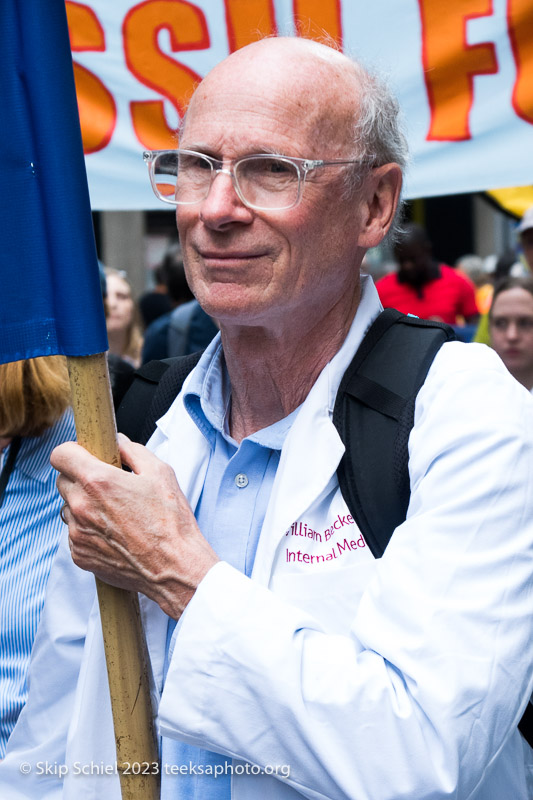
pixel 241 480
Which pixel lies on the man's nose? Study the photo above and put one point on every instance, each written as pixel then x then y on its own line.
pixel 223 206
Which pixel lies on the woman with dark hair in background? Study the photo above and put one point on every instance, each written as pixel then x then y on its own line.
pixel 34 418
pixel 511 327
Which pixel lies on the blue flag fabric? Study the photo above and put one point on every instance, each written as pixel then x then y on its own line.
pixel 50 296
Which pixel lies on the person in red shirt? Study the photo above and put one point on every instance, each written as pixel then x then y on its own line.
pixel 425 288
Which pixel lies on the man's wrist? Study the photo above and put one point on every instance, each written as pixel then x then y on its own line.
pixel 176 595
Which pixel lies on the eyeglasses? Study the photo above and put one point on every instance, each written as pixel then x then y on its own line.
pixel 263 182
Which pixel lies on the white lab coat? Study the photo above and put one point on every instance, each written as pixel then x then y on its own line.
pixel 375 680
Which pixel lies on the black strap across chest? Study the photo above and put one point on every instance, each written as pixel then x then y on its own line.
pixel 9 464
pixel 374 414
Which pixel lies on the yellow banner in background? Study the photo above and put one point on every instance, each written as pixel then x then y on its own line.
pixel 514 200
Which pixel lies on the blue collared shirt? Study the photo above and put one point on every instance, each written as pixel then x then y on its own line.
pixel 30 528
pixel 230 514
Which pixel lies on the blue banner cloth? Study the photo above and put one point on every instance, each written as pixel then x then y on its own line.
pixel 50 296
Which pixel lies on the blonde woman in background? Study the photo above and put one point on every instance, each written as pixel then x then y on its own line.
pixel 34 418
pixel 122 318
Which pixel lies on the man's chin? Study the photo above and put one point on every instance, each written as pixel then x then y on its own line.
pixel 226 300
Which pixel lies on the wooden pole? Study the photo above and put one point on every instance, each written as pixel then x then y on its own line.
pixel 125 646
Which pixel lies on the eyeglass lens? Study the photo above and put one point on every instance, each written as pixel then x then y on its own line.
pixel 184 178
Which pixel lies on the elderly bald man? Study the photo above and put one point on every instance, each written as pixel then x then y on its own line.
pixel 340 677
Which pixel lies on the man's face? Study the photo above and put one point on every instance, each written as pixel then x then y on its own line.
pixel 263 267
pixel 511 329
pixel 526 240
pixel 414 260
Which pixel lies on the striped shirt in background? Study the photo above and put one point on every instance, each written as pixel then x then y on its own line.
pixel 30 528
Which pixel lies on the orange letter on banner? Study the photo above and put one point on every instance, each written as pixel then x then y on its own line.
pixel 520 22
pixel 98 113
pixel 450 64
pixel 248 20
pixel 188 31
pixel 316 18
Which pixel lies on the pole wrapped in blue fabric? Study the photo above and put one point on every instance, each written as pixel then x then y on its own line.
pixel 50 296
pixel 51 303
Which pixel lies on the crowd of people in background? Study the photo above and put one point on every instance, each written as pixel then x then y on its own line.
pixel 167 321
pixel 461 295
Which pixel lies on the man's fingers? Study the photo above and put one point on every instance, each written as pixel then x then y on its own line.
pixel 136 456
pixel 71 459
pixel 77 464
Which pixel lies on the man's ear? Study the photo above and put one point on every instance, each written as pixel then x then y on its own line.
pixel 380 195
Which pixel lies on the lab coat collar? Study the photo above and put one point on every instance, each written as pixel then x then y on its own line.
pixel 308 463
pixel 313 447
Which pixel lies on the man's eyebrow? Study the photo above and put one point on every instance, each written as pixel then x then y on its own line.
pixel 257 149
pixel 198 148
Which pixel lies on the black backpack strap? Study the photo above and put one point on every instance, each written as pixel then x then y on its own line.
pixel 374 414
pixel 525 726
pixel 154 387
pixel 9 465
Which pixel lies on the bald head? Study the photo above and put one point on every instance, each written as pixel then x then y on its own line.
pixel 312 81
pixel 294 63
pixel 280 46
pixel 349 113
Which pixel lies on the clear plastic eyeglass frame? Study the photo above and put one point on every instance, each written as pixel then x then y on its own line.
pixel 301 167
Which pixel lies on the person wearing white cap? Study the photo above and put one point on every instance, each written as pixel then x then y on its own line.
pixel 525 232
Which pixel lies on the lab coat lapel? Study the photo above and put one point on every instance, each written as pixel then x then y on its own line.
pixel 307 469
pixel 177 441
pixel 313 448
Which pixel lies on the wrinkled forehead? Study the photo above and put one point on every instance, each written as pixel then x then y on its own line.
pixel 311 94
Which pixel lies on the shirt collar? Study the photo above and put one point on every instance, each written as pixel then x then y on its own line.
pixel 207 392
pixel 207 399
pixel 33 459
pixel 368 309
pixel 207 395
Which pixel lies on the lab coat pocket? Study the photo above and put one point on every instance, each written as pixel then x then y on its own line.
pixel 331 596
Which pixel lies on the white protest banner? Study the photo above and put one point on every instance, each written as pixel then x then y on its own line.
pixel 462 70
